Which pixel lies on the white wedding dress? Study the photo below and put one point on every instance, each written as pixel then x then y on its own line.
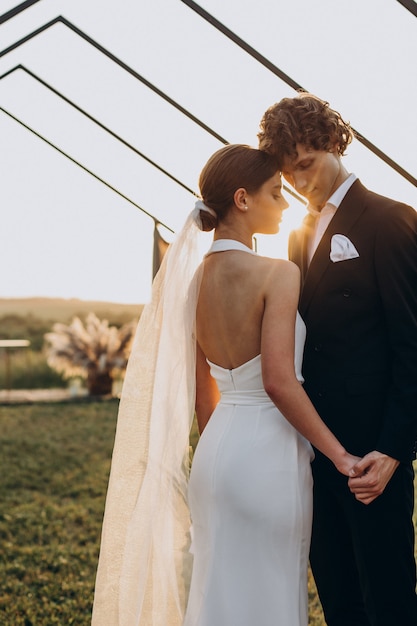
pixel 250 496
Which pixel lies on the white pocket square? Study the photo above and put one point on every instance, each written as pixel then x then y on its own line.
pixel 342 249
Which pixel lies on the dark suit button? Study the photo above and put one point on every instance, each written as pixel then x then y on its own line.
pixel 346 293
pixel 317 348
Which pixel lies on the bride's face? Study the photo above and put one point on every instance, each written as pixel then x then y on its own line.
pixel 267 205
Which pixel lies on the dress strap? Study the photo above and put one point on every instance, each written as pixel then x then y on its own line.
pixel 222 245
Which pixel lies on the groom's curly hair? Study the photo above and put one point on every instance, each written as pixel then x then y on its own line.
pixel 306 120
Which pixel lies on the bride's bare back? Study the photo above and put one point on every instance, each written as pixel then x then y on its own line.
pixel 234 292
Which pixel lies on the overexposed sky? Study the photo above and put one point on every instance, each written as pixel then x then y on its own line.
pixel 65 234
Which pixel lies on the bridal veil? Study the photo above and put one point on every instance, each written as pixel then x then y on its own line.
pixel 144 566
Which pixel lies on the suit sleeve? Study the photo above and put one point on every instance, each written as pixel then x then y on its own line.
pixel 396 270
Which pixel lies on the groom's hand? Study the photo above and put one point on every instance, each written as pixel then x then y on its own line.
pixel 370 476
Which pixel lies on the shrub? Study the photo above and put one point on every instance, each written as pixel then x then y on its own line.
pixel 95 351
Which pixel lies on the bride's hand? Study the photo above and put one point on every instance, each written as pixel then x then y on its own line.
pixel 346 463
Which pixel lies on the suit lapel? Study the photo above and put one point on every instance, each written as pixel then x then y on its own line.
pixel 345 217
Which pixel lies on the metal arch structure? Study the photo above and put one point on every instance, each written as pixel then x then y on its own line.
pixel 97 122
pixel 83 167
pixel 124 66
pixel 265 62
pixel 136 75
pixel 89 116
pixel 62 20
pixel 233 37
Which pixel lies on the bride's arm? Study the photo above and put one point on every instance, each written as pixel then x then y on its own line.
pixel 207 393
pixel 277 352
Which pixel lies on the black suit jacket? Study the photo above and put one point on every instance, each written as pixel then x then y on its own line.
pixel 360 359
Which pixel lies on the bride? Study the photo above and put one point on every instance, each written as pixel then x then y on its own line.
pixel 222 337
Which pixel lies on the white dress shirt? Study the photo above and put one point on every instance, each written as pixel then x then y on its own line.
pixel 324 217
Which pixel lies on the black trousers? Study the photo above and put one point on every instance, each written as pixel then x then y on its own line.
pixel 362 556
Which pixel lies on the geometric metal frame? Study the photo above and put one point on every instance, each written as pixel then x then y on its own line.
pixel 83 167
pixel 214 22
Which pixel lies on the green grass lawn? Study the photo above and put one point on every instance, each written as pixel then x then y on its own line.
pixel 54 465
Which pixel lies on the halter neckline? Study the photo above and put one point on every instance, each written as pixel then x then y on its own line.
pixel 222 245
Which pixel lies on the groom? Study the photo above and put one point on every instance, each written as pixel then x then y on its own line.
pixel 357 253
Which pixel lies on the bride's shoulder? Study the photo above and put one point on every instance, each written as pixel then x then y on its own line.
pixel 280 273
pixel 280 265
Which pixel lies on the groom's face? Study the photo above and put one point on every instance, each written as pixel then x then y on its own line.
pixel 315 174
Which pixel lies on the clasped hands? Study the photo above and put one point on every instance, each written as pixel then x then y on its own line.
pixel 369 476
